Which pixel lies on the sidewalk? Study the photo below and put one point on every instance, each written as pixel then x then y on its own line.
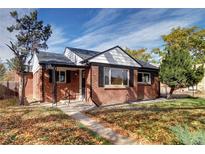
pixel 107 133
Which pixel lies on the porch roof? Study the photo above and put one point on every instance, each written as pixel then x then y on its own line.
pixel 54 58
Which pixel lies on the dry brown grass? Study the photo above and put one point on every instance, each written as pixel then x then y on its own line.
pixel 26 125
pixel 151 122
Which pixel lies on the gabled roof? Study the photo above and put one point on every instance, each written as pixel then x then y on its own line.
pixel 61 59
pixel 140 62
pixel 82 53
pixel 99 53
pixel 53 58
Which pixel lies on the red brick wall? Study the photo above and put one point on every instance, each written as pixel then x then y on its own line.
pixel 101 95
pixel 87 85
pixel 29 86
pixel 37 85
pixel 149 91
pixel 63 89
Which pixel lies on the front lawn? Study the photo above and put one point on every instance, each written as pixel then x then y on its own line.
pixel 152 123
pixel 39 125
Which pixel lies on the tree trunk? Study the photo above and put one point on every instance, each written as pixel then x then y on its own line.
pixel 193 90
pixel 22 89
pixel 170 93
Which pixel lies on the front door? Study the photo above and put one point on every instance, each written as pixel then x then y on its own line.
pixel 83 84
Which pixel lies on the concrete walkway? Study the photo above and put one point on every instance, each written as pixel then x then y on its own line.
pixel 74 110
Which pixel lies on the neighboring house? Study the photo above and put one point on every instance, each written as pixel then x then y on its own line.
pixel 107 77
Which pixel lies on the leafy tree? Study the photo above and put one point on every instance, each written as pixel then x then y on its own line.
pixel 196 76
pixel 191 39
pixel 14 64
pixel 159 54
pixel 141 54
pixel 177 70
pixel 31 36
pixel 184 49
pixel 2 71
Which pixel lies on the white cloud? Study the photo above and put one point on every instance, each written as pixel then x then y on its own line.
pixel 146 37
pixel 58 40
pixel 141 29
pixel 110 27
pixel 102 18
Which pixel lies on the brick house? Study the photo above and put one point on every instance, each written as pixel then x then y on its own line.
pixel 111 76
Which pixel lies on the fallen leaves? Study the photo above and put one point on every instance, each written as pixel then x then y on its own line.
pixel 39 125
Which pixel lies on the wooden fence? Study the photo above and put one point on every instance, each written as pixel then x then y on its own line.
pixel 8 89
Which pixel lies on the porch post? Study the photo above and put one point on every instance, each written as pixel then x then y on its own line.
pixel 80 84
pixel 54 87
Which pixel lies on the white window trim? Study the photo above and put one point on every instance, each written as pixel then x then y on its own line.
pixel 143 78
pixel 111 85
pixel 59 76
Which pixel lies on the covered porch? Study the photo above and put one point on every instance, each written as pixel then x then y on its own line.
pixel 63 83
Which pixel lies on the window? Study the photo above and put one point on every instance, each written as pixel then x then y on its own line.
pixel 115 76
pixel 144 77
pixel 60 76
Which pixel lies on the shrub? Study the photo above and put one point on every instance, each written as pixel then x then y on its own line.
pixel 186 137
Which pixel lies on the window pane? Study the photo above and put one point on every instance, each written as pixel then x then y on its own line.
pixel 106 75
pixel 62 76
pixel 116 77
pixel 146 78
pixel 140 77
pixel 125 77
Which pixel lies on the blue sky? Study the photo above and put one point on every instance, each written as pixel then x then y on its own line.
pixel 100 29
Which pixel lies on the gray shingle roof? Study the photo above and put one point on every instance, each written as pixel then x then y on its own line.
pixel 146 64
pixel 60 59
pixel 82 53
pixel 53 58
